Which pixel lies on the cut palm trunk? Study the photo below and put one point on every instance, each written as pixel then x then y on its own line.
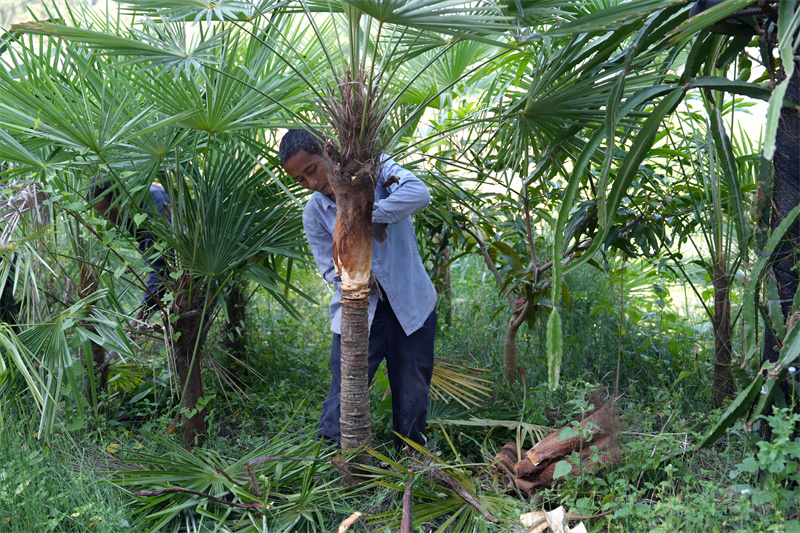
pixel 353 177
pixel 352 251
pixel 595 432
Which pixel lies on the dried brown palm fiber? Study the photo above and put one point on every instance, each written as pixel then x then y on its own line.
pixel 506 458
pixel 601 421
pixel 606 447
pixel 356 117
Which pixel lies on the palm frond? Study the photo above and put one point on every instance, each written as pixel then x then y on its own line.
pixel 611 18
pixel 192 10
pixel 525 431
pixel 463 384
pixel 469 20
pixel 280 478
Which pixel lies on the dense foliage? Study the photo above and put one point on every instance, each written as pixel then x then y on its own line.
pixel 600 219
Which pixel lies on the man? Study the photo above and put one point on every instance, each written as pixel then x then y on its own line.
pixel 104 199
pixel 402 301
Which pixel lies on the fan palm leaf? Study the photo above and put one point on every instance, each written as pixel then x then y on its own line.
pixel 281 477
pixel 101 120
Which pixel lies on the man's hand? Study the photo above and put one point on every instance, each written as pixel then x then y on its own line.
pixel 379 232
pixel 137 324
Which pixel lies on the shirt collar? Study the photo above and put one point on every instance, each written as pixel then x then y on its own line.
pixel 326 202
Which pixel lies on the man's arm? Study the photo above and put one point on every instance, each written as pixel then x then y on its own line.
pixel 320 240
pixel 405 197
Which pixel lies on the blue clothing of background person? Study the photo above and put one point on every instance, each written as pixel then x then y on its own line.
pixel 103 202
pixel 401 304
pixel 153 259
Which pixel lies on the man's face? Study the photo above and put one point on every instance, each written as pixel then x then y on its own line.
pixel 111 213
pixel 310 171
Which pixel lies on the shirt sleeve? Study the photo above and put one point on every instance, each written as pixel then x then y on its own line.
pixel 405 197
pixel 320 240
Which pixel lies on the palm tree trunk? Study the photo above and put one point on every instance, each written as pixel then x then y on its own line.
pixel 187 348
pixel 722 384
pixel 785 196
pixel 88 286
pixel 233 335
pixel 352 252
pixel 355 168
pixel 9 306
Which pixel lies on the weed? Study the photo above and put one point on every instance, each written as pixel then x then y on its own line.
pixel 776 464
pixel 45 488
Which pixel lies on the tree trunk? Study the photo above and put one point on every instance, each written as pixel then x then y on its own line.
pixel 510 370
pixel 187 348
pixel 9 306
pixel 233 335
pixel 785 196
pixel 352 254
pixel 88 286
pixel 723 384
pixel 443 285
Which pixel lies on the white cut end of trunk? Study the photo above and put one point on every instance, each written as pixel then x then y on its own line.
pixel 345 525
pixel 357 283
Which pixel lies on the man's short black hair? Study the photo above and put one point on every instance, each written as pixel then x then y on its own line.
pixel 296 140
pixel 98 187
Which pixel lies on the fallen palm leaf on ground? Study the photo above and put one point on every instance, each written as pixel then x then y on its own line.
pixel 461 383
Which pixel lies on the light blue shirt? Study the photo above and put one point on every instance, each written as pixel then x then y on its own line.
pixel 396 263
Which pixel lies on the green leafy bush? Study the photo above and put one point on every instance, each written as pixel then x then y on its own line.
pixel 775 465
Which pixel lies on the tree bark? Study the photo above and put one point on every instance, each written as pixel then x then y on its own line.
pixel 88 286
pixel 722 384
pixel 354 187
pixel 187 349
pixel 510 370
pixel 785 196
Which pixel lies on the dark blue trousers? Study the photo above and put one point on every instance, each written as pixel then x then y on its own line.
pixel 409 365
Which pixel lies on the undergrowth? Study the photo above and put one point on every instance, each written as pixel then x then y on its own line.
pixel 660 484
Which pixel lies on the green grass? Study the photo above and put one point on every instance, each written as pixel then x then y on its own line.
pixel 54 486
pixel 659 485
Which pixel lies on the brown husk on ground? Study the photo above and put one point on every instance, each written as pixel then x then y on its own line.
pixel 534 469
